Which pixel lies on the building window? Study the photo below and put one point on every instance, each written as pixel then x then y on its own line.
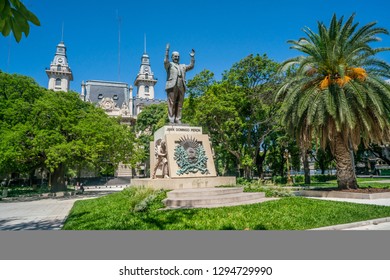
pixel 146 76
pixel 58 82
pixel 115 97
pixel 146 88
pixel 58 67
pixel 100 96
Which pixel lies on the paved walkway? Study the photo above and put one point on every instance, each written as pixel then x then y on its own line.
pixel 50 213
pixel 43 214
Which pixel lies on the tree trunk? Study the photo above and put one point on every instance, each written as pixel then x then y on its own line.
pixel 58 179
pixel 306 167
pixel 346 177
pixel 260 163
pixel 282 165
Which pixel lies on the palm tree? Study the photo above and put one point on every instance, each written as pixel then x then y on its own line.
pixel 337 94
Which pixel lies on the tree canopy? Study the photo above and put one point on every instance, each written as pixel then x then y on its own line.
pixel 338 95
pixel 52 130
pixel 148 122
pixel 238 112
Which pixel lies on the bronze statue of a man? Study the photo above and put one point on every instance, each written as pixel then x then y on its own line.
pixel 176 83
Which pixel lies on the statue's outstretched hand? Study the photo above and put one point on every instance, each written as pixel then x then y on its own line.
pixel 167 47
pixel 192 53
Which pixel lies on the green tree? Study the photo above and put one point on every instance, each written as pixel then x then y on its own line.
pixel 68 131
pixel 382 152
pixel 17 96
pixel 218 113
pixel 148 122
pixel 196 87
pixel 338 95
pixel 239 112
pixel 56 130
pixel 199 84
pixel 15 17
pixel 280 145
pixel 323 158
pixel 256 76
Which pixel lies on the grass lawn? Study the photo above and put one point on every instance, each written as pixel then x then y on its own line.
pixel 140 209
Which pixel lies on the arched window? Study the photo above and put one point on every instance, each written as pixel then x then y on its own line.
pixel 58 67
pixel 58 82
pixel 146 88
pixel 146 76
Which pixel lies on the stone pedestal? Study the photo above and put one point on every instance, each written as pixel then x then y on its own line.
pixel 181 157
pixel 184 183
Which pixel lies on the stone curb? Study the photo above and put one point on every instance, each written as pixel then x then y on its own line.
pixel 355 224
pixel 340 194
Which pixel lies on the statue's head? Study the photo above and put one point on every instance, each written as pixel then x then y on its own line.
pixel 175 57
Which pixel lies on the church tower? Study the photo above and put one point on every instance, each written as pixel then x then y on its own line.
pixel 59 73
pixel 145 79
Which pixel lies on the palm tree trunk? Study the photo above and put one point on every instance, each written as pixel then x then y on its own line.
pixel 346 177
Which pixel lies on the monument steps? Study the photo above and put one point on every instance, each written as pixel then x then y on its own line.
pixel 211 197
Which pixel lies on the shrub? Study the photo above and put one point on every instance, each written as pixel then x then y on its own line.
pixel 269 192
pixel 299 179
pixel 141 198
pixel 384 172
pixel 244 181
pixel 321 178
pixel 152 199
pixel 279 180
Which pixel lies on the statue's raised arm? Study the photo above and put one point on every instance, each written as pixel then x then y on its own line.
pixel 166 58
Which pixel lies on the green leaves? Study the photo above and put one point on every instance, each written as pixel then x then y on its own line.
pixel 15 17
pixel 149 120
pixel 348 101
pixel 46 129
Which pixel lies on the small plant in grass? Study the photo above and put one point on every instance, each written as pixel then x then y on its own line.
pixel 244 181
pixel 299 179
pixel 142 199
pixel 269 191
pixel 151 200
pixel 279 180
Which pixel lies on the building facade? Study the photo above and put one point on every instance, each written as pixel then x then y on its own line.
pixel 115 98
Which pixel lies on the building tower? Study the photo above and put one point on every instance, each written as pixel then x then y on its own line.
pixel 144 82
pixel 59 73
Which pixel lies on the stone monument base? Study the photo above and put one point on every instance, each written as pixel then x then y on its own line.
pixel 185 183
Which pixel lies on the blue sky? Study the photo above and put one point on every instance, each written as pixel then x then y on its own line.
pixel 221 32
